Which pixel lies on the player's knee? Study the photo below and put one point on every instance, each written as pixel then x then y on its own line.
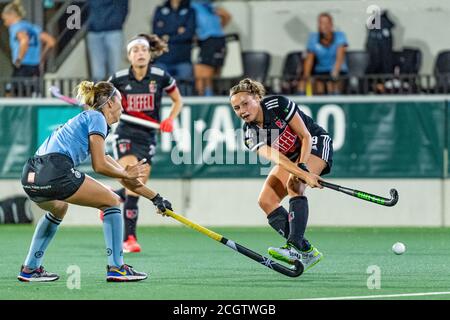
pixel 112 201
pixel 267 205
pixel 61 210
pixel 115 201
pixel 299 190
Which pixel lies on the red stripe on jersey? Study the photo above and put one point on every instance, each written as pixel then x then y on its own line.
pixel 141 115
pixel 171 88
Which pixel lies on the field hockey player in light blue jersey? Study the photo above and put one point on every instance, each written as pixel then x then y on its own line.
pixel 51 180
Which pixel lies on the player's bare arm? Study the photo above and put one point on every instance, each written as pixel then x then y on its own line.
pixel 102 165
pixel 280 159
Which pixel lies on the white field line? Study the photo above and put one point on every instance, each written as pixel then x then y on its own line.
pixel 421 294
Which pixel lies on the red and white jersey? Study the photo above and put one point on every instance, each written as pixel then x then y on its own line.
pixel 142 99
pixel 278 111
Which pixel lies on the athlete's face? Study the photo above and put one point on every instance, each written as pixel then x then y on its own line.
pixel 8 18
pixel 246 106
pixel 139 56
pixel 115 108
pixel 325 25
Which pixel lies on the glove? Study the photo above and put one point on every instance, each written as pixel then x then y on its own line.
pixel 166 125
pixel 161 204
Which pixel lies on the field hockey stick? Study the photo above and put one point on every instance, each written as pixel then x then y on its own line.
pixel 55 92
pixel 364 195
pixel 294 272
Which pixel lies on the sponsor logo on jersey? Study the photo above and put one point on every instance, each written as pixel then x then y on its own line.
pixel 285 142
pixel 152 86
pixel 280 123
pixel 140 102
pixel 31 176
pixel 249 143
pixel 128 87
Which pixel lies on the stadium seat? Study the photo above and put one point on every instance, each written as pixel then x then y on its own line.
pixel 407 64
pixel 232 69
pixel 256 65
pixel 292 70
pixel 409 60
pixel 357 62
pixel 442 72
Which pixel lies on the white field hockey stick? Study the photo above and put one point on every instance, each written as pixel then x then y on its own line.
pixel 55 92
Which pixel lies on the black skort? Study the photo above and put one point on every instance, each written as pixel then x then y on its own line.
pixel 134 140
pixel 212 52
pixel 51 177
pixel 322 147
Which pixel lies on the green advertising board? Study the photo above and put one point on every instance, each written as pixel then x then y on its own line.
pixel 371 139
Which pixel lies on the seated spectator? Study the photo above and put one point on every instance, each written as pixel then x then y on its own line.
pixel 29 46
pixel 174 22
pixel 105 36
pixel 325 58
pixel 210 21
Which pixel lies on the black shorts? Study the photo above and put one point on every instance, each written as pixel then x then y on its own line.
pixel 322 147
pixel 132 140
pixel 51 177
pixel 212 52
pixel 326 76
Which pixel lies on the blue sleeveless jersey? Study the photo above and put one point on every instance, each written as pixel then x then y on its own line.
pixel 33 55
pixel 72 138
pixel 208 23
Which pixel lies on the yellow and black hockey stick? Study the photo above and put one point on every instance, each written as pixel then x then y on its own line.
pixel 295 271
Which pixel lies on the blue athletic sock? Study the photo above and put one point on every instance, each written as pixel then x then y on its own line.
pixel 113 232
pixel 43 234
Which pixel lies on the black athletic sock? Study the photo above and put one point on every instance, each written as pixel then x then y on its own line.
pixel 121 193
pixel 130 215
pixel 278 220
pixel 298 219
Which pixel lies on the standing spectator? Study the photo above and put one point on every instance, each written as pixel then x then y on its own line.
pixel 174 22
pixel 210 21
pixel 105 36
pixel 29 45
pixel 379 45
pixel 325 58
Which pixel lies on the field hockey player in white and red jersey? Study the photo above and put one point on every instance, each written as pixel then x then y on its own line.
pixel 142 87
pixel 277 129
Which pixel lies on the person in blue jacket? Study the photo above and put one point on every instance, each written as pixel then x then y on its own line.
pixel 174 22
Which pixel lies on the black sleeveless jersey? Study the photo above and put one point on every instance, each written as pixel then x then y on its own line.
pixel 142 99
pixel 276 133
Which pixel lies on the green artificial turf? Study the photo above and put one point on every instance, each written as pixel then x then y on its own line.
pixel 184 264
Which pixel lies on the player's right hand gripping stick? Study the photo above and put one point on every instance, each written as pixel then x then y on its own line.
pixel 161 204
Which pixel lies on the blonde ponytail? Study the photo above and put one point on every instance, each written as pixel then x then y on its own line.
pixel 15 7
pixel 94 95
